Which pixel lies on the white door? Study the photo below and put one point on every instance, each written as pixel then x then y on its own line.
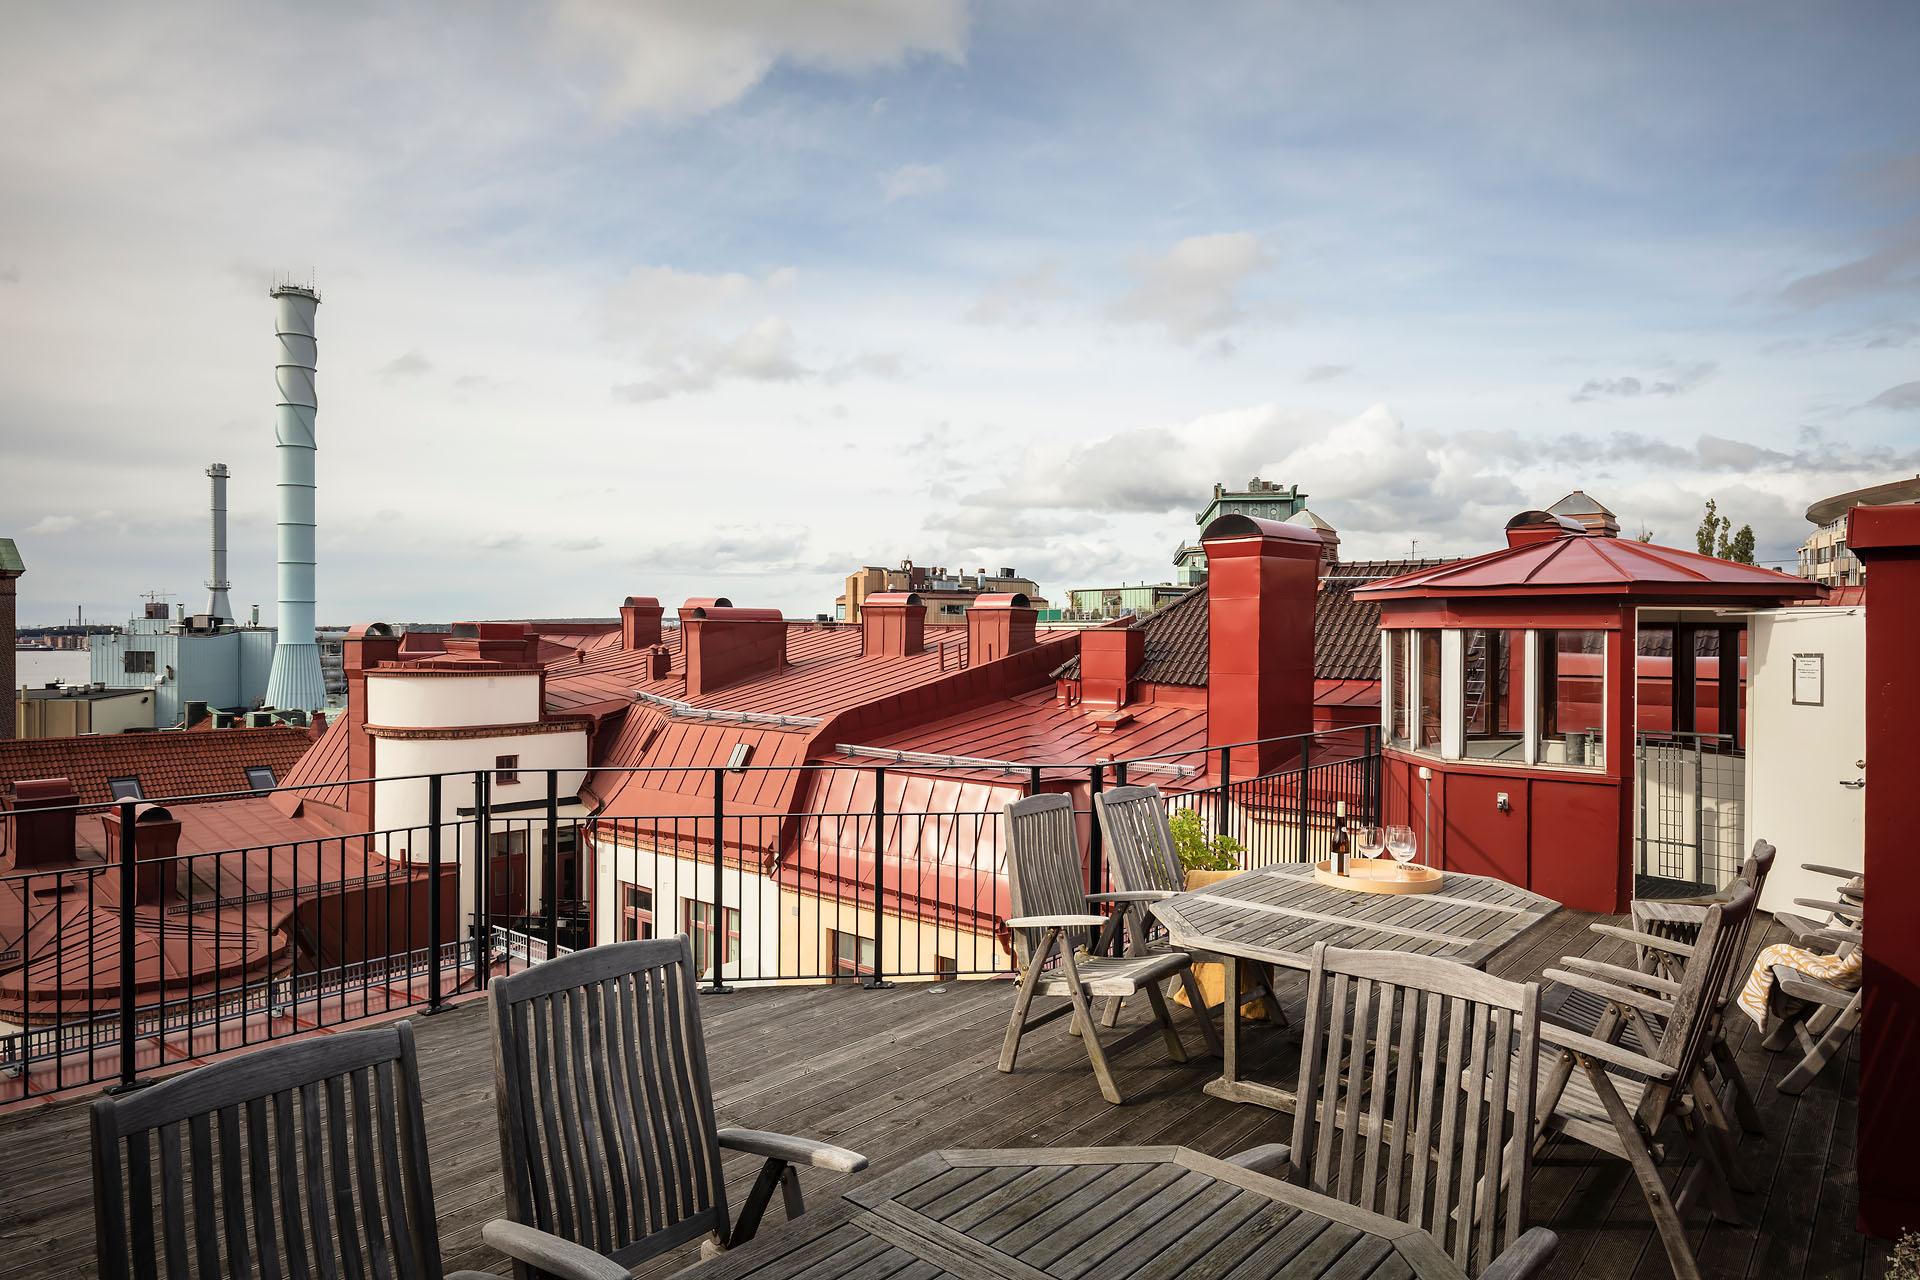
pixel 1806 740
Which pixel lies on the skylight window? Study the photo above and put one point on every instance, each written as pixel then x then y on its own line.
pixel 125 788
pixel 260 778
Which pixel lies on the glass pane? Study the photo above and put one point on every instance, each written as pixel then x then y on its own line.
pixel 1429 690
pixel 1573 698
pixel 1493 693
pixel 1397 659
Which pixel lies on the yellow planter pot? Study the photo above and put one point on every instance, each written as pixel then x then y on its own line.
pixel 1213 977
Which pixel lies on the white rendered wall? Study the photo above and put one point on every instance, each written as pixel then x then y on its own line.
pixel 676 880
pixel 1797 756
pixel 451 702
pixel 402 802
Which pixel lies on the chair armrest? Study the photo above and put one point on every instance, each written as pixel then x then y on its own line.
pixel 549 1254
pixel 1847 909
pixel 1273 1159
pixel 781 1146
pixel 1837 935
pixel 1132 895
pixel 1822 869
pixel 1524 1258
pixel 1622 977
pixel 1639 939
pixel 1056 922
pixel 1607 991
pixel 1796 985
pixel 1688 910
pixel 1611 1054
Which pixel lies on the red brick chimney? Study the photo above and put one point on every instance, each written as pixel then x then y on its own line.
pixel 1109 661
pixel 365 647
pixel 659 662
pixel 640 623
pixel 42 838
pixel 1262 588
pixel 893 625
pixel 722 645
pixel 156 845
pixel 998 625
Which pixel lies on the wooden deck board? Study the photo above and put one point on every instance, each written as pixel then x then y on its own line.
pixel 902 1072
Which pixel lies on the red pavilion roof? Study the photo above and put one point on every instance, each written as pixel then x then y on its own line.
pixel 1585 564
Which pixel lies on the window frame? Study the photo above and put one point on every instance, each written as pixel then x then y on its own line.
pixel 130 785
pixel 1507 640
pixel 254 784
pixel 696 917
pixel 506 771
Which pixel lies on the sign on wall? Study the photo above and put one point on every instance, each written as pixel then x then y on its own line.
pixel 1809 679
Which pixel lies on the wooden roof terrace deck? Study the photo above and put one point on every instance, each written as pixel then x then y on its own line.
pixel 898 1073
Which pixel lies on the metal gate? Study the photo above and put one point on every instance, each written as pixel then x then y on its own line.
pixel 1690 817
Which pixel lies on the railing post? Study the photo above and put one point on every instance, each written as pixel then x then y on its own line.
pixel 482 878
pixel 1033 780
pixel 1306 763
pixel 129 996
pixel 1221 823
pixel 719 987
pixel 1096 871
pixel 552 872
pixel 877 980
pixel 433 894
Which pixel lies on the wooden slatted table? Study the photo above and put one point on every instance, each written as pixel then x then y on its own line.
pixel 1275 915
pixel 1054 1214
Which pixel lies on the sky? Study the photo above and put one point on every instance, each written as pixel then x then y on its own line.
pixel 697 297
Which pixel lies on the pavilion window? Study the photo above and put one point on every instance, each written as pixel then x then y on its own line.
pixel 1399 689
pixel 1430 689
pixel 1572 723
pixel 1493 694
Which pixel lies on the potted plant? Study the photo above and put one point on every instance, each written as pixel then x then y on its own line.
pixel 1207 860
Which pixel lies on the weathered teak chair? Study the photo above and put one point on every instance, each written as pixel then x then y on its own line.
pixel 1051 918
pixel 1677 920
pixel 1821 1016
pixel 1616 1100
pixel 1843 911
pixel 1403 1062
pixel 304 1159
pixel 1138 839
pixel 607 1132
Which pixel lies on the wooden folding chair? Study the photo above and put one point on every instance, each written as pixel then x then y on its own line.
pixel 1052 919
pixel 1138 840
pixel 1819 1015
pixel 1416 1101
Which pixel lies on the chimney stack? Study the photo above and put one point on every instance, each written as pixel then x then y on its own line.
pixel 295 682
pixel 43 839
pixel 156 845
pixel 1109 660
pixel 999 625
pixel 218 607
pixel 722 645
pixel 893 624
pixel 640 623
pixel 1262 589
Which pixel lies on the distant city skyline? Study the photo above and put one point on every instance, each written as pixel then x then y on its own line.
pixel 678 298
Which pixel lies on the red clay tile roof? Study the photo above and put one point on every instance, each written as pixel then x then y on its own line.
pixel 168 764
pixel 1346 644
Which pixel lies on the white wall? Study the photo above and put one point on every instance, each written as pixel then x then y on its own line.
pixel 403 802
pixel 445 702
pixel 674 880
pixel 1797 756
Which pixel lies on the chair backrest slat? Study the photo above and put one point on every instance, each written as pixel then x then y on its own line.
pixel 1416 1095
pixel 1137 837
pixel 1045 874
pixel 302 1160
pixel 607 1129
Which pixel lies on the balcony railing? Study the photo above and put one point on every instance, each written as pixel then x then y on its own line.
pixel 132 956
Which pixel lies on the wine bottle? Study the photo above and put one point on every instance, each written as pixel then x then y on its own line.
pixel 1337 859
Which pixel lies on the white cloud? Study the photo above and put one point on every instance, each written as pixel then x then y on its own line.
pixel 762 353
pixel 1675 380
pixel 579 544
pixel 1905 396
pixel 685 57
pixel 411 364
pixel 1017 300
pixel 911 180
pixel 54 524
pixel 1194 289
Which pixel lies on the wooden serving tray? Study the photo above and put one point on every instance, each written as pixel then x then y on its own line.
pixel 1379 875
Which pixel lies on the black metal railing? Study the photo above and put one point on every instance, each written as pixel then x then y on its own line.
pixel 167 936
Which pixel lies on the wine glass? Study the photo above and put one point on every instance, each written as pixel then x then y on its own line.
pixel 1371 841
pixel 1400 844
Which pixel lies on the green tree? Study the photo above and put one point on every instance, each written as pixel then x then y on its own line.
pixel 1739 548
pixel 1717 537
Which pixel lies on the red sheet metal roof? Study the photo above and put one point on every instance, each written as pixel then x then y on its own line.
pixel 1585 564
pixel 1034 727
pixel 167 763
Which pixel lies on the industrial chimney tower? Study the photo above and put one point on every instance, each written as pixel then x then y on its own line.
pixel 217 606
pixel 295 683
